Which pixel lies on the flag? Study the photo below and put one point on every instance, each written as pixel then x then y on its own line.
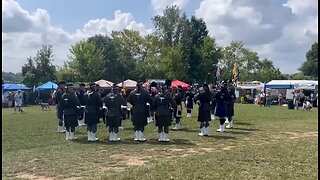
pixel 123 88
pixel 235 72
pixel 218 73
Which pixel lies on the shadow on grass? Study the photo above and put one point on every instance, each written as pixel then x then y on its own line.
pixel 239 132
pixel 246 129
pixel 220 137
pixel 243 123
pixel 186 130
pixel 130 141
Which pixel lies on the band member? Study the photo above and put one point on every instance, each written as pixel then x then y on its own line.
pixel 57 98
pixel 113 102
pixel 221 107
pixel 68 111
pixel 178 109
pixel 80 95
pixel 204 99
pixel 231 97
pixel 189 102
pixel 139 98
pixel 213 100
pixel 153 92
pixel 162 103
pixel 124 109
pixel 92 110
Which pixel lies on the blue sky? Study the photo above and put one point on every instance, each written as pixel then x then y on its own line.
pixel 73 14
pixel 280 30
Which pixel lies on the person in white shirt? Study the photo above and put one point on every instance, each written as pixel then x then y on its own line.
pixel 18 101
pixel 296 99
pixel 307 105
pixel 280 99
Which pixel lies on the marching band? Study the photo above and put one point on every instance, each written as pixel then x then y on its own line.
pixel 160 103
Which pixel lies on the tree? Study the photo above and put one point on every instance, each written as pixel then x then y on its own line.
pixel 130 50
pixel 87 61
pixel 310 66
pixel 267 71
pixel 149 66
pixel 198 34
pixel 169 26
pixel 210 54
pixel 12 77
pixel 39 69
pixel 65 73
pixel 43 63
pixel 233 53
pixel 173 63
pixel 111 62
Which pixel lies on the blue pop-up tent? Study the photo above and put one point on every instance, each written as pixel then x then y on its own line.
pixel 14 87
pixel 2 85
pixel 47 86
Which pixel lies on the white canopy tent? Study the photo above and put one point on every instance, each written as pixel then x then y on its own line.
pixel 293 84
pixel 128 84
pixel 104 83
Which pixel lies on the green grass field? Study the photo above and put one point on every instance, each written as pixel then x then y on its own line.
pixel 266 143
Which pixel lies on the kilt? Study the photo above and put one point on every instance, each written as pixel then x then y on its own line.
pixel 213 107
pixel 91 118
pixel 221 109
pixel 139 119
pixel 189 104
pixel 230 110
pixel 81 116
pixel 204 116
pixel 163 120
pixel 70 120
pixel 178 112
pixel 113 121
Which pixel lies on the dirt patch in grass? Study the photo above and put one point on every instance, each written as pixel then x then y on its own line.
pixel 73 178
pixel 302 135
pixel 34 160
pixel 297 135
pixel 33 177
pixel 228 148
pixel 131 160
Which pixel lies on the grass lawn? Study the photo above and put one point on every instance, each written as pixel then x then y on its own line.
pixel 266 143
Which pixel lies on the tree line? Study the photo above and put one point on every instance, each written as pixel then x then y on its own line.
pixel 180 48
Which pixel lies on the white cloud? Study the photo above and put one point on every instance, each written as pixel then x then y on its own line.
pixel 280 32
pixel 23 33
pixel 121 21
pixel 159 5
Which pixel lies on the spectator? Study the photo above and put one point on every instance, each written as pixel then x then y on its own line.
pixel 317 99
pixel 296 99
pixel 268 99
pixel 18 101
pixel 280 99
pixel 10 99
pixel 313 99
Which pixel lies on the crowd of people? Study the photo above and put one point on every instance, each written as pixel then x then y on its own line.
pixel 14 99
pixel 299 99
pixel 160 104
